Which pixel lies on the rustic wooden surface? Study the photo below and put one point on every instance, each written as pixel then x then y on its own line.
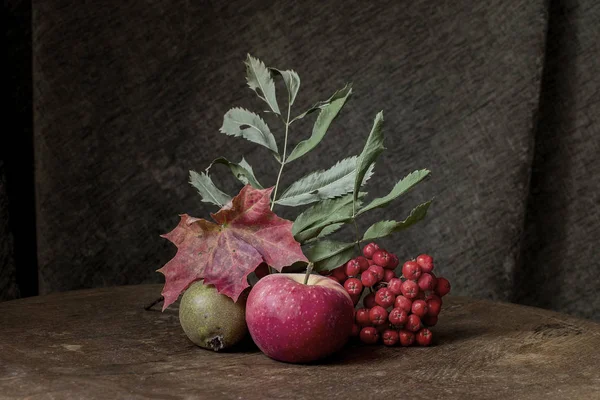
pixel 102 344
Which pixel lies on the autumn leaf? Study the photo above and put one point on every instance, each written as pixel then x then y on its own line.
pixel 246 233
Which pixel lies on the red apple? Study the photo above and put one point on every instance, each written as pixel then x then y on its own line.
pixel 297 323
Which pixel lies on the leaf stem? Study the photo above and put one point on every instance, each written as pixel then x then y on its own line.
pixel 285 140
pixel 309 269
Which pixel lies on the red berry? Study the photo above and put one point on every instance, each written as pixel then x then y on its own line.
pixel 382 328
pixel 411 270
pixel 443 287
pixel 390 337
pixel 420 295
pixel 352 268
pixel 434 306
pixel 404 303
pixel 419 308
pixel 362 318
pixel 369 335
pixel 413 323
pixel 425 261
pixel 378 315
pixel 434 296
pixel 339 274
pixel 394 285
pixel 384 297
pixel 363 262
pixel 378 270
pixel 369 300
pixel 262 270
pixel 333 278
pixel 368 278
pixel 369 249
pixel 381 258
pixel 407 338
pixel 398 316
pixel 409 289
pixel 388 275
pixel 430 320
pixel 426 281
pixel 424 337
pixel 394 261
pixel 355 330
pixel 353 286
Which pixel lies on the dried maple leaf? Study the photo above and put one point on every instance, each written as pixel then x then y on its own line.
pixel 246 234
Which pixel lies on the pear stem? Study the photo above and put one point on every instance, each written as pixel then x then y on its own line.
pixel 155 302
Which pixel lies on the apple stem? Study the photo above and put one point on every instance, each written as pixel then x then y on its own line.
pixel 309 269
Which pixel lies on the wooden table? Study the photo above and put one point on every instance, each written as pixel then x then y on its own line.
pixel 102 344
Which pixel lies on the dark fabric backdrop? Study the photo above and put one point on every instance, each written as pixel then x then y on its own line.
pixel 498 98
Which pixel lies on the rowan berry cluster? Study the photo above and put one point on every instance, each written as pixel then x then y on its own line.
pixel 398 309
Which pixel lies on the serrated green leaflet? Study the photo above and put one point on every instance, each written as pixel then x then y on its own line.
pixel 207 189
pixel 292 82
pixel 325 184
pixel 334 261
pixel 340 216
pixel 242 171
pixel 320 104
pixel 385 228
pixel 250 126
pixel 311 223
pixel 325 118
pixel 260 80
pixel 320 212
pixel 403 186
pixel 328 254
pixel 328 230
pixel 373 147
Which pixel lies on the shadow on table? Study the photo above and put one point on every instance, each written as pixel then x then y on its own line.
pixel 247 345
pixel 458 335
pixel 351 354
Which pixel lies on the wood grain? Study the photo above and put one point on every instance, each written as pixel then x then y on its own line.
pixel 102 344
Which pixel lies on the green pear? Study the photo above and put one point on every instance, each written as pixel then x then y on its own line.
pixel 212 320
